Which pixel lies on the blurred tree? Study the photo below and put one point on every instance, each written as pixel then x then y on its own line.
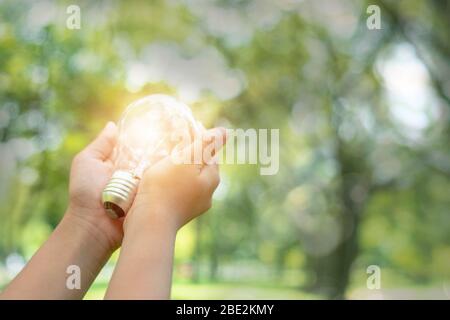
pixel 358 184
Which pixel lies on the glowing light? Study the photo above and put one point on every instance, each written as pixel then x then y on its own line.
pixel 148 131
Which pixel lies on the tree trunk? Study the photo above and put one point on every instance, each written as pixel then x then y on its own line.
pixel 333 269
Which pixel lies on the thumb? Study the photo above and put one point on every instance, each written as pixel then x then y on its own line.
pixel 102 147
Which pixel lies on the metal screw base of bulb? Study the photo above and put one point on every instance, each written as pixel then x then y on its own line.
pixel 119 193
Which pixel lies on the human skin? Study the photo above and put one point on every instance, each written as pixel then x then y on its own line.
pixel 86 236
pixel 168 197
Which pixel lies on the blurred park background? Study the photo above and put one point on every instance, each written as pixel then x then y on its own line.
pixel 364 135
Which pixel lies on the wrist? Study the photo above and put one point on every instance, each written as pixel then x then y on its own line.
pixel 88 225
pixel 147 219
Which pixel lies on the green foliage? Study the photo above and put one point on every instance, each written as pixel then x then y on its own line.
pixel 357 184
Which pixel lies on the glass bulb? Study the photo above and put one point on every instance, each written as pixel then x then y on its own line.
pixel 149 129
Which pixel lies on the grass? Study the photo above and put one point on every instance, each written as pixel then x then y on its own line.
pixel 218 291
pixel 238 291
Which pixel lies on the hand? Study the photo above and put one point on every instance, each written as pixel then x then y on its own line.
pixel 91 169
pixel 173 194
pixel 85 237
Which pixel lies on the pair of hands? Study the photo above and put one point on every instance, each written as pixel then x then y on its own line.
pixel 169 194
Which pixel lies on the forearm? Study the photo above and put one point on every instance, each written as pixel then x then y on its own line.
pixel 73 243
pixel 144 269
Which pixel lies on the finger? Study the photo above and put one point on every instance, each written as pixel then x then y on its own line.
pixel 201 127
pixel 102 147
pixel 182 151
pixel 204 147
pixel 194 152
pixel 213 141
pixel 220 135
pixel 191 154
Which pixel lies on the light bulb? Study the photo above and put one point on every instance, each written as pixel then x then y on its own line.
pixel 149 129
